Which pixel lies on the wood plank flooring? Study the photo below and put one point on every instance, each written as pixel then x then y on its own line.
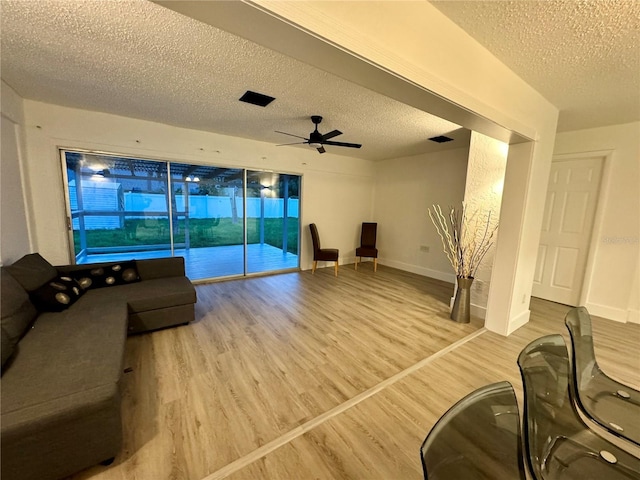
pixel 313 376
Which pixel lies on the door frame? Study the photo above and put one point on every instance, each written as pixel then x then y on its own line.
pixel 601 200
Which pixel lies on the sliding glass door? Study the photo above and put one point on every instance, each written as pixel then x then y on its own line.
pixel 272 221
pixel 208 219
pixel 117 207
pixel 122 208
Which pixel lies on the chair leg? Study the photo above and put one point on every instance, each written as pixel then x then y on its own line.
pixel 375 264
pixel 313 268
pixel 336 268
pixel 356 263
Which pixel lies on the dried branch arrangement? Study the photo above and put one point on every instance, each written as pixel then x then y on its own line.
pixel 466 239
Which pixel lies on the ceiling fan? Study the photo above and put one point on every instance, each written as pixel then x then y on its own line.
pixel 318 140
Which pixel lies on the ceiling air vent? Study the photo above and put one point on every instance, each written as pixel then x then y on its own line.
pixel 256 98
pixel 441 139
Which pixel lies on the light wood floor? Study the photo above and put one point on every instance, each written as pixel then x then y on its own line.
pixel 300 376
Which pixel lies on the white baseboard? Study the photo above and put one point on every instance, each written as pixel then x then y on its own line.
pixel 633 316
pixel 478 311
pixel 514 324
pixel 610 313
pixel 427 272
pixel 518 321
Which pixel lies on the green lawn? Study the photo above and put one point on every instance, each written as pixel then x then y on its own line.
pixel 202 233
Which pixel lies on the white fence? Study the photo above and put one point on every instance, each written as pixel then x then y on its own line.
pixel 200 206
pixel 210 206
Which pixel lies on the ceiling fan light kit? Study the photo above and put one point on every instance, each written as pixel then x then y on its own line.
pixel 317 140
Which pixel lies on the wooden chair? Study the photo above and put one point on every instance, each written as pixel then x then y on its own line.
pixel 322 254
pixel 367 246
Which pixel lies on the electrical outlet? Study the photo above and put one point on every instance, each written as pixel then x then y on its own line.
pixel 424 248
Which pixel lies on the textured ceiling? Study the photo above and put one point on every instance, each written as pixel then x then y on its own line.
pixel 138 59
pixel 583 56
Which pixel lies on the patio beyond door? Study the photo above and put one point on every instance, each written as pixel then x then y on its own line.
pixel 124 208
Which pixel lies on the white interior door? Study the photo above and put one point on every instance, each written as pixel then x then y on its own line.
pixel 566 230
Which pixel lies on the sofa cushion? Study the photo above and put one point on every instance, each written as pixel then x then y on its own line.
pixel 32 271
pixel 98 276
pixel 16 310
pixel 6 347
pixel 150 294
pixel 152 268
pixel 57 295
pixel 73 351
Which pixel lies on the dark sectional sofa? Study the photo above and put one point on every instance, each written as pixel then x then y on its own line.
pixel 63 338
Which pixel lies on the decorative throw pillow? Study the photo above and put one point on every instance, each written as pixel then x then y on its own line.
pixel 17 313
pixel 57 295
pixel 107 275
pixel 32 271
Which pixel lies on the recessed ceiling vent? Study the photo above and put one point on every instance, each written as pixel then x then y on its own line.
pixel 255 98
pixel 441 139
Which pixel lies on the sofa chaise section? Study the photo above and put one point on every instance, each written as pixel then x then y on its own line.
pixel 62 364
pixel 60 393
pixel 164 297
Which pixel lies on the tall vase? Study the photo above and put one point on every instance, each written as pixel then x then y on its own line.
pixel 461 311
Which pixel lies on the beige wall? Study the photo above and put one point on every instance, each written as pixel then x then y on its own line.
pixel 405 189
pixel 336 194
pixel 611 282
pixel 14 230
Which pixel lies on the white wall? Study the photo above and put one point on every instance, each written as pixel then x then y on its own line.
pixel 399 37
pixel 483 197
pixel 336 191
pixel 611 282
pixel 405 189
pixel 14 231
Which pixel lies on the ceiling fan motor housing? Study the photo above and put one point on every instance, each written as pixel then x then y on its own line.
pixel 317 140
pixel 315 137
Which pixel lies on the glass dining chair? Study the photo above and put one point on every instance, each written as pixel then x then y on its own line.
pixel 611 404
pixel 558 444
pixel 476 439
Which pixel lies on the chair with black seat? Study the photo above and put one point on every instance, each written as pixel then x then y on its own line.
pixel 322 254
pixel 559 445
pixel 611 404
pixel 478 438
pixel 367 246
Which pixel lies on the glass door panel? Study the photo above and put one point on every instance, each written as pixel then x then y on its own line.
pixel 124 208
pixel 272 221
pixel 118 207
pixel 208 219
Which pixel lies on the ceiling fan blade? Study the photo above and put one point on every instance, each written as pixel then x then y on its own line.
pixel 332 134
pixel 291 134
pixel 342 144
pixel 321 149
pixel 295 143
